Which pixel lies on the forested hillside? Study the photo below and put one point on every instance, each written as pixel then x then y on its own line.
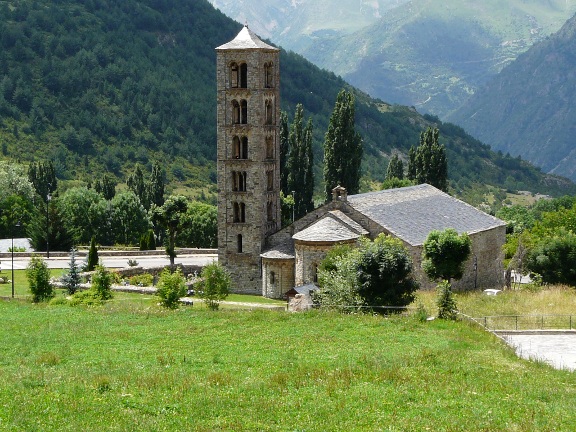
pixel 98 85
pixel 528 109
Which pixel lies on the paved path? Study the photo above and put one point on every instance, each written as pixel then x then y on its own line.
pixel 558 350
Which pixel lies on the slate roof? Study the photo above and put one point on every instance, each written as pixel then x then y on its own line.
pixel 282 251
pixel 246 39
pixel 327 229
pixel 410 213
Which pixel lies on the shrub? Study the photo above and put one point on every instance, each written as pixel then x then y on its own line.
pixel 72 279
pixel 144 279
pixel 215 285
pixel 92 256
pixel 101 283
pixel 171 288
pixel 446 304
pixel 553 259
pixel 444 254
pixel 38 276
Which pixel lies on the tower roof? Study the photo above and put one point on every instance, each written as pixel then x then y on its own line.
pixel 246 39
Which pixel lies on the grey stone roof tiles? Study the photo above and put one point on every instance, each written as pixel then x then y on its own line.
pixel 282 251
pixel 327 229
pixel 246 39
pixel 410 213
pixel 355 226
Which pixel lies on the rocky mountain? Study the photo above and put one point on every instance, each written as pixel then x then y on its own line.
pixel 528 109
pixel 430 54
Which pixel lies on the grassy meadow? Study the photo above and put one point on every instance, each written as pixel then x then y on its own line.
pixel 130 365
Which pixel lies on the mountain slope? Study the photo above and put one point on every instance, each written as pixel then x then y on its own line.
pixel 98 85
pixel 429 54
pixel 528 109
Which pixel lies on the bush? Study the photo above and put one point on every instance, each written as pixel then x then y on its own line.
pixel 446 304
pixel 144 279
pixel 101 283
pixel 215 285
pixel 171 287
pixel 92 256
pixel 72 279
pixel 38 276
pixel 553 259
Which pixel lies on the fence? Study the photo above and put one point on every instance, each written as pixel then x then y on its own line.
pixel 528 322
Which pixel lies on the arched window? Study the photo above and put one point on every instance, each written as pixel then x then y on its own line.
pixel 240 147
pixel 272 277
pixel 268 110
pixel 243 112
pixel 314 272
pixel 269 180
pixel 239 243
pixel 234 75
pixel 243 75
pixel 269 148
pixel 235 112
pixel 268 75
pixel 239 181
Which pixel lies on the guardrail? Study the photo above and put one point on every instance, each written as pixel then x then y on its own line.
pixel 527 322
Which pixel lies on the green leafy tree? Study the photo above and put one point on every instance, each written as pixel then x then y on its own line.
pixel 38 276
pixel 15 209
pixel 342 148
pixel 129 218
pixel 385 274
pixel 553 258
pixel 72 278
pixel 92 261
pixel 215 285
pixel 443 257
pixel 156 186
pixel 14 181
pixel 301 164
pixel 428 163
pixel 444 254
pixel 102 283
pixel 286 208
pixel 171 287
pixel 85 214
pixel 169 216
pixel 42 175
pixel 107 188
pixel 199 226
pixel 395 168
pixel 394 183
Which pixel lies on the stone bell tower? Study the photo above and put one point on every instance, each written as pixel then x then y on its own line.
pixel 248 78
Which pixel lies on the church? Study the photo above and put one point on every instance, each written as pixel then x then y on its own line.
pixel 264 259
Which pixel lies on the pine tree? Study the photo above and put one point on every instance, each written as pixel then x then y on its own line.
pixel 395 168
pixel 342 148
pixel 72 279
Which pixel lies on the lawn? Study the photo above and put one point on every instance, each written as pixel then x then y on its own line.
pixel 130 366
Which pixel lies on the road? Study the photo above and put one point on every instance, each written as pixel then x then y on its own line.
pixel 114 261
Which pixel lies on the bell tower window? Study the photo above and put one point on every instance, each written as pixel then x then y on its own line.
pixel 268 77
pixel 243 75
pixel 240 147
pixel 239 212
pixel 269 148
pixel 239 181
pixel 268 111
pixel 239 243
pixel 238 75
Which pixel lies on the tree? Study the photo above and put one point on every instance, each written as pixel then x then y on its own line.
pixel 137 185
pixel 155 186
pixel 428 163
pixel 107 188
pixel 52 228
pixel 102 283
pixel 199 226
pixel 129 218
pixel 169 216
pixel 92 261
pixel 301 164
pixel 72 279
pixel 342 148
pixel 444 254
pixel 553 258
pixel 14 181
pixel 385 274
pixel 85 214
pixel 215 285
pixel 42 175
pixel 171 287
pixel 395 168
pixel 38 276
pixel 284 150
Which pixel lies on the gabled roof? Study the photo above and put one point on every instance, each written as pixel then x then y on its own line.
pixel 246 39
pixel 410 213
pixel 335 226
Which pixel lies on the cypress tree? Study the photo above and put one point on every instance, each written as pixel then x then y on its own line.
pixel 342 148
pixel 428 163
pixel 92 255
pixel 136 184
pixel 156 186
pixel 284 150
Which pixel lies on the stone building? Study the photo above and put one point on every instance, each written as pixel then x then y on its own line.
pixel 248 167
pixel 261 258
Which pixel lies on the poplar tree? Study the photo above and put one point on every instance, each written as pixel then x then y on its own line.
pixel 156 186
pixel 300 164
pixel 42 175
pixel 284 149
pixel 136 184
pixel 395 168
pixel 428 163
pixel 342 148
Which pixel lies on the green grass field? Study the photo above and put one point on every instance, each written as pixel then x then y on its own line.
pixel 131 366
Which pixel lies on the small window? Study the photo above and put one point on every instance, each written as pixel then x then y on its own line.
pixel 234 75
pixel 243 112
pixel 239 181
pixel 269 180
pixel 272 277
pixel 244 148
pixel 239 243
pixel 240 147
pixel 235 112
pixel 268 109
pixel 239 212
